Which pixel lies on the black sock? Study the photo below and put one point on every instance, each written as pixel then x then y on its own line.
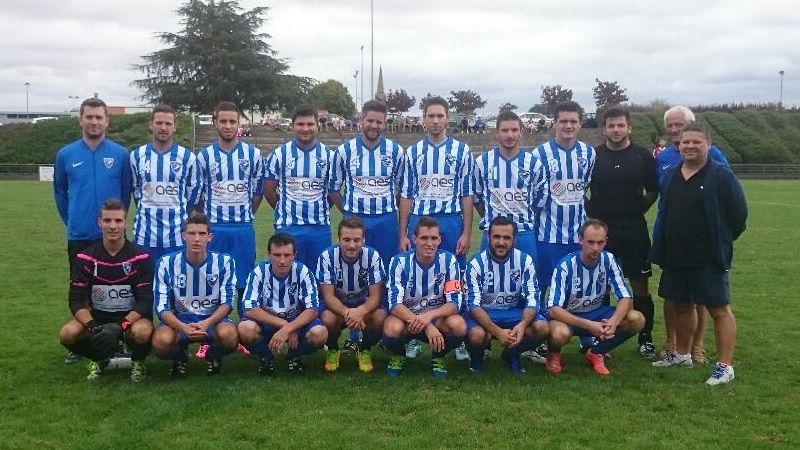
pixel 644 304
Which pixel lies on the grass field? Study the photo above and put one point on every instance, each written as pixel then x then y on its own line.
pixel 45 404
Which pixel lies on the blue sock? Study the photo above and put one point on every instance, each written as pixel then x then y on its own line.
pixel 395 346
pixel 260 348
pixel 475 353
pixel 528 343
pixel 178 353
pixel 303 348
pixel 606 346
pixel 217 351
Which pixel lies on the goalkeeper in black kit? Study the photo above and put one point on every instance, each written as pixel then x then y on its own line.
pixel 111 298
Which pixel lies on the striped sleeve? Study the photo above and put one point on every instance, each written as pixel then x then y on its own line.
pixel 376 271
pixel 560 285
pixel 325 270
pixel 397 278
pixel 530 287
pixel 162 282
pixel 194 181
pixel 474 281
pixel 227 286
pixel 615 278
pixel 467 188
pixel 408 185
pixel 254 287
pixel 308 289
pixel 338 169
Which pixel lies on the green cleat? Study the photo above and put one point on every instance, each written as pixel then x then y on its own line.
pixel 438 367
pixel 364 361
pixel 395 366
pixel 332 360
pixel 138 371
pixel 95 369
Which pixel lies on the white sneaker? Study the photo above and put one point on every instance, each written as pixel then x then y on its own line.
pixel 461 353
pixel 413 348
pixel 722 374
pixel 537 355
pixel 674 359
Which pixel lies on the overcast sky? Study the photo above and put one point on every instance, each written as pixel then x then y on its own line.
pixel 685 52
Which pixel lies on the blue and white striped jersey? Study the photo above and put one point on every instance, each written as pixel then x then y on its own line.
pixel 371 176
pixel 188 290
pixel 422 289
pixel 437 176
pixel 351 282
pixel 581 289
pixel 230 181
pixel 502 285
pixel 164 186
pixel 285 297
pixel 304 178
pixel 513 188
pixel 568 173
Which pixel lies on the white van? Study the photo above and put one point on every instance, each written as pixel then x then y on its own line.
pixel 39 119
pixel 205 119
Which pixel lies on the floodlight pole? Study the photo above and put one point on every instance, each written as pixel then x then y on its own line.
pixel 780 102
pixel 27 104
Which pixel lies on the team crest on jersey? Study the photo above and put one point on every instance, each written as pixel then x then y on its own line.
pixel 386 161
pixel 211 279
pixel 294 289
pixel 515 274
pixel 180 281
pixel 451 160
pixel 290 163
pixel 439 278
pixel 583 162
pixel 362 275
pixel 109 162
pixel 213 168
pixel 553 165
pixel 525 174
pixel 576 282
pixel 601 278
pixel 321 164
pixel 127 267
pixel 176 166
pixel 355 163
pixel 244 165
pixel 145 166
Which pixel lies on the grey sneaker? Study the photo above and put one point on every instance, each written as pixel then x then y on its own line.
pixel 674 359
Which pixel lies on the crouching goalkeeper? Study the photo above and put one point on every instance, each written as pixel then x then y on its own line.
pixel 111 298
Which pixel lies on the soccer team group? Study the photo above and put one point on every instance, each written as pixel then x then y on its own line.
pixel 562 227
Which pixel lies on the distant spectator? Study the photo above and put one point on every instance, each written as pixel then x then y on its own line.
pixel 662 144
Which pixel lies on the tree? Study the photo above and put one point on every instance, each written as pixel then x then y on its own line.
pixel 553 95
pixel 607 94
pixel 508 106
pixel 425 99
pixel 540 108
pixel 218 54
pixel 465 102
pixel 333 96
pixel 399 100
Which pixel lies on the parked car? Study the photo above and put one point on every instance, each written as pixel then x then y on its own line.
pixel 589 120
pixel 41 119
pixel 205 119
pixel 536 119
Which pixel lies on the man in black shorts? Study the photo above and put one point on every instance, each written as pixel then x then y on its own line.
pixel 111 297
pixel 624 186
pixel 703 210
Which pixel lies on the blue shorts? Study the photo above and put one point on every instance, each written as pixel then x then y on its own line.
pixel 157 252
pixel 603 312
pixel 504 318
pixel 312 240
pixel 184 340
pixel 547 256
pixel 699 285
pixel 268 331
pixel 450 227
pixel 525 241
pixel 239 241
pixel 381 234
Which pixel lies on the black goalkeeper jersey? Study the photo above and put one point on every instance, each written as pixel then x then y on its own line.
pixel 112 286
